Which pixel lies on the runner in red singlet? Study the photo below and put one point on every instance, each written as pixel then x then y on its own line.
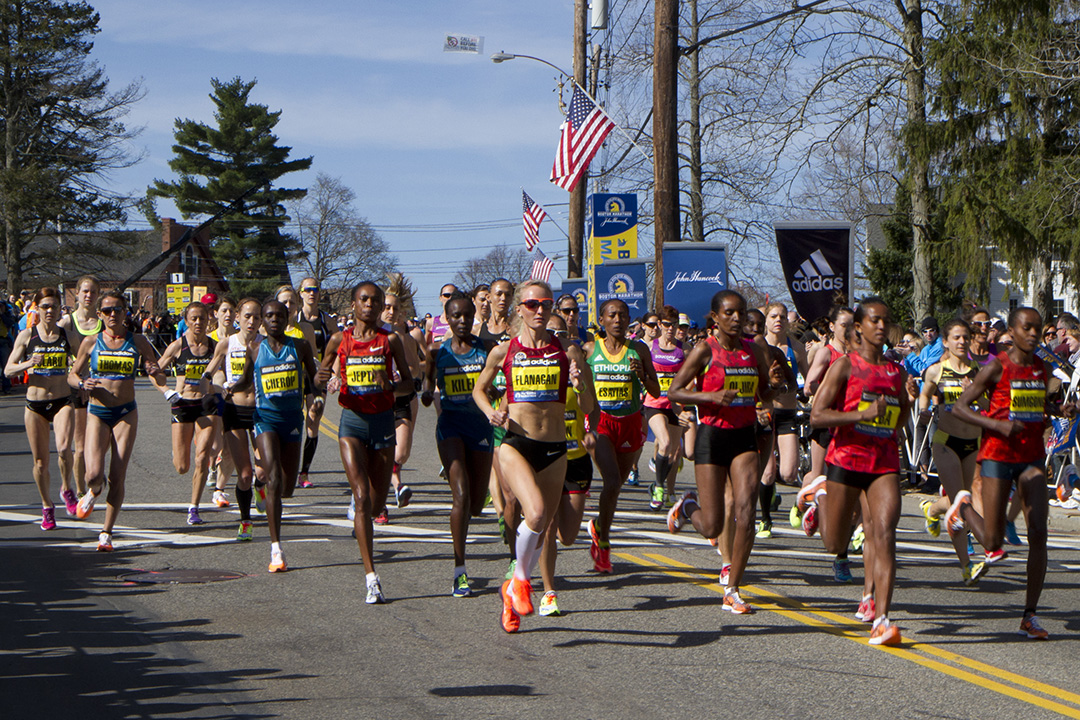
pixel 1012 451
pixel 863 397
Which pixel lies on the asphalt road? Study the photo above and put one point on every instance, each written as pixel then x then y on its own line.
pixel 79 640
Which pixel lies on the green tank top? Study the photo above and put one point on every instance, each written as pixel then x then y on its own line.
pixel 618 388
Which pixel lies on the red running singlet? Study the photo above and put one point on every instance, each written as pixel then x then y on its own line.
pixel 536 374
pixel 869 446
pixel 1020 394
pixel 730 369
pixel 361 388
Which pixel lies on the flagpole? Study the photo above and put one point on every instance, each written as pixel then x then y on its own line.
pixel 504 56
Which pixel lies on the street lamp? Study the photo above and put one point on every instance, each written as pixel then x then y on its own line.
pixel 501 56
pixel 575 236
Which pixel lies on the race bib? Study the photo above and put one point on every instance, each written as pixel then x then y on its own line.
pixel 665 383
pixel 236 364
pixel 54 363
pixel 458 382
pixel 193 372
pixel 883 425
pixel 1027 400
pixel 115 365
pixel 361 374
pixel 570 418
pixel 536 380
pixel 280 380
pixel 950 393
pixel 744 381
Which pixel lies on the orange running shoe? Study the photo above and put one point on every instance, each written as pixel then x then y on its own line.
pixel 806 495
pixel 735 604
pixel 511 621
pixel 277 562
pixel 85 505
pixel 601 554
pixel 1030 626
pixel 521 595
pixel 885 633
pixel 954 521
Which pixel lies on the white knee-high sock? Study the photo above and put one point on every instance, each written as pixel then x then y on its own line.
pixel 527 556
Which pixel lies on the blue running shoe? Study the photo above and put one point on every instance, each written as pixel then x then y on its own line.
pixel 1010 533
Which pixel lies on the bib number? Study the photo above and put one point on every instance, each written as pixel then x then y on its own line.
pixel 883 425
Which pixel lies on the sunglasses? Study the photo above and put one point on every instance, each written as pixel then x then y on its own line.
pixel 980 323
pixel 445 295
pixel 652 324
pixel 309 289
pixel 560 333
pixel 111 309
pixel 533 304
pixel 568 310
pixel 50 306
pixel 666 323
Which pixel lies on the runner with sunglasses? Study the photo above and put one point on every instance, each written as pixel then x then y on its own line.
pixel 568 310
pixel 620 369
pixel 85 321
pixel 300 329
pixel 322 327
pixel 1012 453
pixel 667 420
pixel 111 359
pixel 238 412
pixel 44 351
pixel 955 443
pixel 497 330
pixel 275 364
pixel 195 418
pixel 539 369
pixel 405 406
pixel 732 374
pixel 368 357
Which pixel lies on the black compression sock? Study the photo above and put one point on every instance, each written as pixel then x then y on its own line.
pixel 663 467
pixel 243 497
pixel 310 445
pixel 765 495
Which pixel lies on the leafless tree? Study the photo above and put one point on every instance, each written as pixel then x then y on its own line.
pixel 339 247
pixel 514 265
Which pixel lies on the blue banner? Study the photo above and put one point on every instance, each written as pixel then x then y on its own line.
pixel 624 281
pixel 693 273
pixel 579 288
pixel 611 226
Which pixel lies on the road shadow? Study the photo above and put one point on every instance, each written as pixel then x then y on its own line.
pixel 68 651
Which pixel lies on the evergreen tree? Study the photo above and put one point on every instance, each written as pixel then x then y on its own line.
pixel 216 165
pixel 1007 136
pixel 61 130
pixel 889 269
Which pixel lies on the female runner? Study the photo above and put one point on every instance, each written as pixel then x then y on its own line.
pixel 785 411
pixel 955 443
pixel 538 368
pixel 662 415
pixel 275 364
pixel 1012 451
pixel 620 368
pixel 735 374
pixel 368 357
pixel 463 433
pixel 863 397
pixel 45 351
pixel 193 418
pixel 566 524
pixel 84 321
pixel 300 329
pixel 111 357
pixel 238 411
pixel 322 327
pixel 405 407
pixel 221 464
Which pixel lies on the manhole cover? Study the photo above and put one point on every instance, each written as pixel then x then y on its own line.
pixel 180 576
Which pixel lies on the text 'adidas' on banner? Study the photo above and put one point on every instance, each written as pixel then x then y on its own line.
pixel 816 261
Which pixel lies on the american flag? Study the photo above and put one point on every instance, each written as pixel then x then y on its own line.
pixel 583 133
pixel 533 215
pixel 542 267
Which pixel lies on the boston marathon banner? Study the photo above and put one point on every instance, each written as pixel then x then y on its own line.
pixel 624 280
pixel 693 273
pixel 817 261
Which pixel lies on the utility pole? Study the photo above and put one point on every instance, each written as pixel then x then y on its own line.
pixel 577 195
pixel 665 137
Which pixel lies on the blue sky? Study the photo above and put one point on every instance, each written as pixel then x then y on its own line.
pixel 423 137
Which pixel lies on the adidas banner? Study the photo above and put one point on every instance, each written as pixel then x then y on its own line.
pixel 816 257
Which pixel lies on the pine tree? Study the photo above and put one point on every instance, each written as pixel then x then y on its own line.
pixel 1007 135
pixel 216 165
pixel 62 130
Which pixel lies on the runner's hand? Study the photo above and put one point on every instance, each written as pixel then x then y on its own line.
pixel 877 409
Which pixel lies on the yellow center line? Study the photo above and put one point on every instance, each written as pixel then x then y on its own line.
pixel 328 428
pixel 844 627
